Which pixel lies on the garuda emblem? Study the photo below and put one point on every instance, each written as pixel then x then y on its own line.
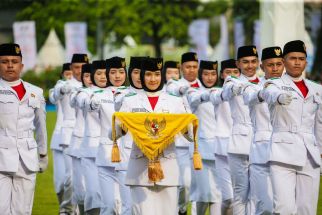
pixel 154 127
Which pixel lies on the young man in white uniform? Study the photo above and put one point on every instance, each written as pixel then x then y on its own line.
pixel 295 153
pixel 260 183
pixel 22 114
pixel 242 131
pixel 189 68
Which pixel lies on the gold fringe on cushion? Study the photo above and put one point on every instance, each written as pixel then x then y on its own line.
pixel 197 161
pixel 115 150
pixel 116 153
pixel 196 158
pixel 155 171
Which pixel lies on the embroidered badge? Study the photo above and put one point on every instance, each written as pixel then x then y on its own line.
pixel 277 52
pixel 159 65
pixel 154 127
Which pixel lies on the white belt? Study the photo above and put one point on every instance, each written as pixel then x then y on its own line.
pixel 18 134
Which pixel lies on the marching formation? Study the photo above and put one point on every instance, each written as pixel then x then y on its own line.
pixel 259 138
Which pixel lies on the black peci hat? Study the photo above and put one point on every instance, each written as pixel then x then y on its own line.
pixel 211 65
pixel 171 64
pixel 115 62
pixel 271 52
pixel 246 51
pixel 189 56
pixel 10 49
pixel 80 58
pixel 294 46
pixel 152 64
pixel 230 63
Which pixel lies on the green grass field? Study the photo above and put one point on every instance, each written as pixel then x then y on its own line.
pixel 45 202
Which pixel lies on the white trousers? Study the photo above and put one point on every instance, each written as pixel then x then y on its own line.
pixel 93 194
pixel 125 194
pixel 204 187
pixel 78 179
pixel 223 177
pixel 239 166
pixel 59 170
pixel 183 158
pixel 295 189
pixel 17 191
pixel 261 188
pixel 66 206
pixel 109 187
pixel 156 200
pixel 214 208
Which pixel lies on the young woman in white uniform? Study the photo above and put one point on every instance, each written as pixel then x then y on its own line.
pixel 89 147
pixel 223 137
pixel 161 197
pixel 78 102
pixel 204 189
pixel 57 150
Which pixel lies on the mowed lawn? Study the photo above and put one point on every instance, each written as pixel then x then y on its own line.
pixel 45 202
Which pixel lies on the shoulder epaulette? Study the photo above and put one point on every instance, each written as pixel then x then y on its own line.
pixel 130 94
pixel 234 77
pixel 122 88
pixel 313 81
pixel 172 94
pixel 98 91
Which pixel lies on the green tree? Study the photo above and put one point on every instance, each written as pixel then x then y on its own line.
pixel 146 21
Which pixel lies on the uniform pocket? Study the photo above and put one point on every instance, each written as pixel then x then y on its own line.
pixel 284 137
pixel 31 144
pixel 241 130
pixel 7 104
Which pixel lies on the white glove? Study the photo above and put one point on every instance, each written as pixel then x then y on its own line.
pixel 66 89
pixel 284 99
pixel 205 96
pixel 236 89
pixel 43 163
pixel 95 103
pixel 183 90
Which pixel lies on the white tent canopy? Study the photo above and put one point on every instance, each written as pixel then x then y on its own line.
pixel 52 53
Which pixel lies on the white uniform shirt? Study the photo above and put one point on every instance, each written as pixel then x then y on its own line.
pixel 137 173
pixel 56 136
pixel 294 125
pixel 242 132
pixel 18 121
pixel 207 122
pixel 224 122
pixel 260 117
pixel 69 113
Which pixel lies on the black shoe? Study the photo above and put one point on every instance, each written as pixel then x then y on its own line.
pixel 182 213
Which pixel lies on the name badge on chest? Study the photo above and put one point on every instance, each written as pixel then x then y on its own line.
pixel 139 110
pixel 289 89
